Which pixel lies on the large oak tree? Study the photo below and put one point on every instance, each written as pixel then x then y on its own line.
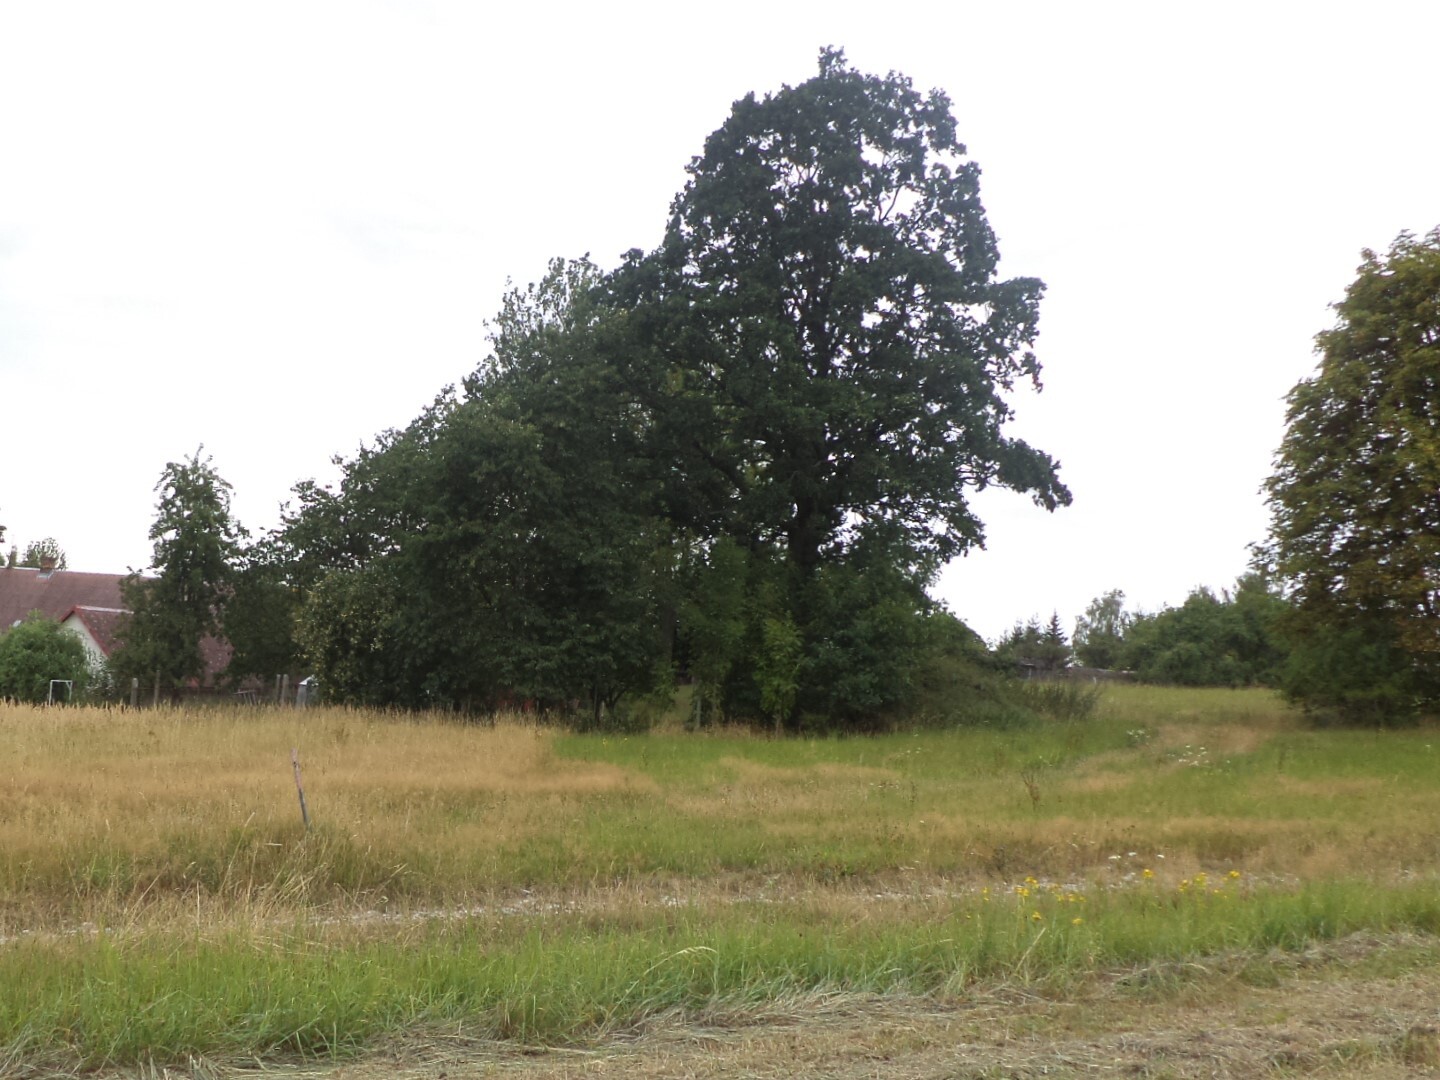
pixel 743 454
pixel 834 336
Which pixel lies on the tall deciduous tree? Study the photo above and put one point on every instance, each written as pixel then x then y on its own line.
pixel 758 441
pixel 835 339
pixel 260 609
pixel 820 347
pixel 1355 496
pixel 505 540
pixel 196 544
pixel 1100 632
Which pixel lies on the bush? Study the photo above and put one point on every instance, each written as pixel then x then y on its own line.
pixel 36 652
pixel 1355 676
pixel 1060 699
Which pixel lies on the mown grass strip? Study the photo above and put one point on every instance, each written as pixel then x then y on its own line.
pixel 309 990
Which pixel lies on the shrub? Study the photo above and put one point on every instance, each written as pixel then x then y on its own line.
pixel 36 652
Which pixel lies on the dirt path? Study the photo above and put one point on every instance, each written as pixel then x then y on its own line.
pixel 1364 1007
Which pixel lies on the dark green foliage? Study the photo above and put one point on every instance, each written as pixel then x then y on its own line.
pixel 260 618
pixel 959 682
pixel 1187 645
pixel 1229 640
pixel 500 549
pixel 742 456
pixel 715 619
pixel 866 634
pixel 1031 647
pixel 349 630
pixel 820 345
pixel 844 649
pixel 1354 674
pixel 1355 497
pixel 196 545
pixel 962 683
pixel 1100 632
pixel 823 335
pixel 34 653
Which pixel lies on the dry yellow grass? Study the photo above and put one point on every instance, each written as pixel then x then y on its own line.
pixel 103 810
pixel 111 805
pixel 178 832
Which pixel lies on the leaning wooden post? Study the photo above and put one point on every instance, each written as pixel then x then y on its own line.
pixel 134 692
pixel 299 787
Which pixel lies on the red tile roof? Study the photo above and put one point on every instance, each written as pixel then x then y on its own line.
pixel 54 595
pixel 102 622
pixel 95 600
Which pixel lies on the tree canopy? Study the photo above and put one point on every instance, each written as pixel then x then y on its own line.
pixel 196 544
pixel 741 456
pixel 1210 640
pixel 825 323
pixel 1355 496
pixel 1100 632
pixel 36 652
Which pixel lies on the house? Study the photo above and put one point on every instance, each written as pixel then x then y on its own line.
pixel 96 628
pixel 54 593
pixel 88 605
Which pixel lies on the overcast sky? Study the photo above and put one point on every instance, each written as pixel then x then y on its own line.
pixel 279 228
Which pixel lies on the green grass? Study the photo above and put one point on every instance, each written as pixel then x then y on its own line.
pixel 315 990
pixel 665 871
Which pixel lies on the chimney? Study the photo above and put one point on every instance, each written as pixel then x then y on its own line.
pixel 47 565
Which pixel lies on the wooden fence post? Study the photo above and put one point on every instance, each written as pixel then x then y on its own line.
pixel 300 788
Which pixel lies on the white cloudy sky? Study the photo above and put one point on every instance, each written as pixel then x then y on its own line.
pixel 278 228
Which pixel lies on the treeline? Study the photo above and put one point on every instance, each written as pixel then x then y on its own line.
pixel 1235 638
pixel 739 460
pixel 735 461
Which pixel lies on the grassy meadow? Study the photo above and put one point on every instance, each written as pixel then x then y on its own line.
pixel 160 899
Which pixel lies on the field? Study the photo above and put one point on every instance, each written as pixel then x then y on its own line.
pixel 1065 899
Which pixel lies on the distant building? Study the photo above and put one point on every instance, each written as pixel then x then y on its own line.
pixel 54 593
pixel 88 605
pixel 95 627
